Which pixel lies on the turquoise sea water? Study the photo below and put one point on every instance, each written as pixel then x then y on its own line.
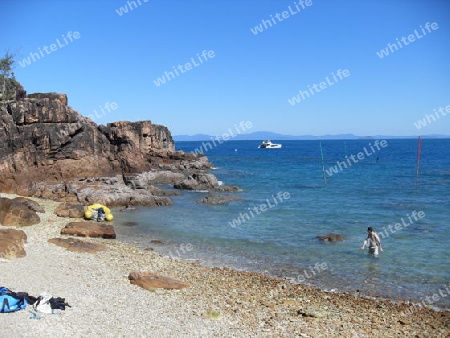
pixel 379 191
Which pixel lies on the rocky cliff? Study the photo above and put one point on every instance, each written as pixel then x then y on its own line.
pixel 49 150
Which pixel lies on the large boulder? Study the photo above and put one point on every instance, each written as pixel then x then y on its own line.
pixel 150 280
pixel 70 210
pixel 35 206
pixel 16 213
pixel 12 243
pixel 198 181
pixel 89 229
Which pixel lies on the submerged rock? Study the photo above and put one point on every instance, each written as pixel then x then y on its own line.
pixel 331 238
pixel 216 200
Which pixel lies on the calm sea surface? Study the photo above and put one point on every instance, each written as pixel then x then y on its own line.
pixel 285 205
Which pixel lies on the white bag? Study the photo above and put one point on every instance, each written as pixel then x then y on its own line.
pixel 42 304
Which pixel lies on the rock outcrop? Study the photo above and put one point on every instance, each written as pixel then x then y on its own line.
pixel 49 150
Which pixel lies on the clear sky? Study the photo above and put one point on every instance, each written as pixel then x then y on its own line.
pixel 243 76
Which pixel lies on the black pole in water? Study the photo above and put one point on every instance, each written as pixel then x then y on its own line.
pixel 419 153
pixel 323 166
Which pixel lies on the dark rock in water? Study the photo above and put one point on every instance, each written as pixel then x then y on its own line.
pixel 331 238
pixel 156 241
pixel 17 213
pixel 164 192
pixel 87 229
pixel 149 281
pixel 203 182
pixel 70 210
pixel 130 224
pixel 216 200
pixel 12 243
pixel 77 245
pixel 127 208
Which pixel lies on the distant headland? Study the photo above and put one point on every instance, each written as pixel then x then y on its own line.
pixel 263 135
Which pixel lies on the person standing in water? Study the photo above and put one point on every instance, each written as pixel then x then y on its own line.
pixel 373 242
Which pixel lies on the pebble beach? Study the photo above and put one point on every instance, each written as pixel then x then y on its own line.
pixel 221 302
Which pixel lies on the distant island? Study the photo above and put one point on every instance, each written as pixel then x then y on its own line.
pixel 264 135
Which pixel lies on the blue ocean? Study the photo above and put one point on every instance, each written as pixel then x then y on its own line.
pixel 290 196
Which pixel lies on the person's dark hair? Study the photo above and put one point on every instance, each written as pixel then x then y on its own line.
pixel 369 229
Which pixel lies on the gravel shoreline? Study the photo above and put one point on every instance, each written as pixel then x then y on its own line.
pixel 221 302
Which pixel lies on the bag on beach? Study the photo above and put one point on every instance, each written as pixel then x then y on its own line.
pixel 43 303
pixel 12 301
pixel 58 303
pixel 46 303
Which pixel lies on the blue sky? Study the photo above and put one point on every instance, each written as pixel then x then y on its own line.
pixel 118 58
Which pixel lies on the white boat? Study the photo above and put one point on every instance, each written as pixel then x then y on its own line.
pixel 268 144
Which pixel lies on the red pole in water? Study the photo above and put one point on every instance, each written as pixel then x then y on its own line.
pixel 419 153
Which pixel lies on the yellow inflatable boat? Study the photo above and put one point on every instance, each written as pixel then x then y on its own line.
pixel 98 212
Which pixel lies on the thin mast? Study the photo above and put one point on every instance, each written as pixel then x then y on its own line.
pixel 323 166
pixel 419 153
